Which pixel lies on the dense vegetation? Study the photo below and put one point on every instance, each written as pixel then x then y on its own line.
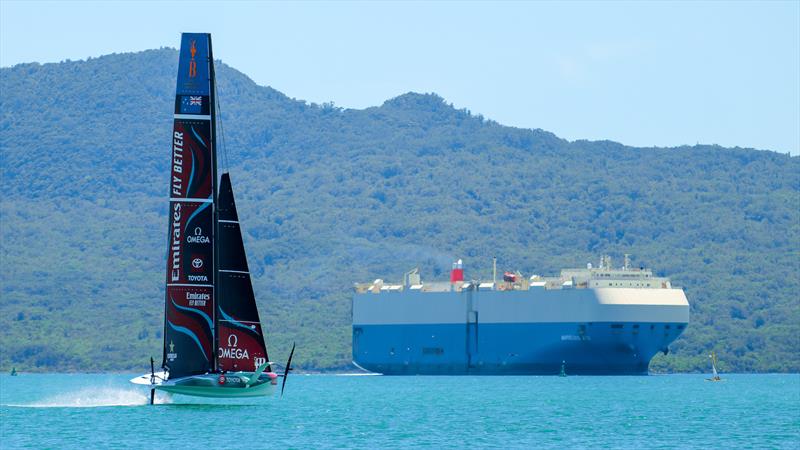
pixel 330 196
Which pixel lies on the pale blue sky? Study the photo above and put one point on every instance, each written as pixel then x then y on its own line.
pixel 642 74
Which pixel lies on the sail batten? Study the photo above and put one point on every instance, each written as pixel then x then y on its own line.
pixel 191 116
pixel 191 200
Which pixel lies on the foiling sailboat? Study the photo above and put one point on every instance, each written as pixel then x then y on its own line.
pixel 213 340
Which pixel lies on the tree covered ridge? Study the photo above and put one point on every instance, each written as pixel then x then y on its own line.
pixel 331 196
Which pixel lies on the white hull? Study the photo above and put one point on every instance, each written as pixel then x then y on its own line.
pixel 536 305
pixel 146 378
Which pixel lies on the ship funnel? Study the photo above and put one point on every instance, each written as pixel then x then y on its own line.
pixel 457 274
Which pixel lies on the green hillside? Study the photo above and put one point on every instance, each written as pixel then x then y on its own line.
pixel 331 196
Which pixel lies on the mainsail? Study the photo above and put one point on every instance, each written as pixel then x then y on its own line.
pixel 713 357
pixel 189 310
pixel 241 339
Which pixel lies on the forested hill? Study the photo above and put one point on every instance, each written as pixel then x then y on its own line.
pixel 331 196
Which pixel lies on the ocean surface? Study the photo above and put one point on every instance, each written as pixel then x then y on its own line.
pixel 334 411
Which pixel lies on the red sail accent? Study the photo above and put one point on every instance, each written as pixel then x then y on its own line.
pixel 192 172
pixel 241 346
pixel 190 311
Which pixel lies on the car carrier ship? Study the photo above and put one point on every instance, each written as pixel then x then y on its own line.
pixel 593 321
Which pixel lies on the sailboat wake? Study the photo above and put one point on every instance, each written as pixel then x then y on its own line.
pixel 97 397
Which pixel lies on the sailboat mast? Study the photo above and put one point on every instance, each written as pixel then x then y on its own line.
pixel 215 213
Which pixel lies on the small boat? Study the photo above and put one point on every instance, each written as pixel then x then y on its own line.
pixel 213 340
pixel 715 375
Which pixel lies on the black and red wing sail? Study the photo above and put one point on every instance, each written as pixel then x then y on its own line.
pixel 189 310
pixel 240 336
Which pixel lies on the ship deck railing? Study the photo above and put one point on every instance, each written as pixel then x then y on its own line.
pixel 445 286
pixel 549 283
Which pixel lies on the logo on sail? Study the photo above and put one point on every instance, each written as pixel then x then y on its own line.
pixel 198 298
pixel 177 163
pixel 191 104
pixel 233 351
pixel 192 62
pixel 171 356
pixel 198 237
pixel 197 263
pixel 175 271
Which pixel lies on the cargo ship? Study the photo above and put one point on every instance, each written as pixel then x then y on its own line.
pixel 590 321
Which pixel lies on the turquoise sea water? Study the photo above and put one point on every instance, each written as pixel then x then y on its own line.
pixel 327 411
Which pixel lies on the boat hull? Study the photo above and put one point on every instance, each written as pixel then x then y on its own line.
pixel 609 331
pixel 232 385
pixel 258 390
pixel 511 349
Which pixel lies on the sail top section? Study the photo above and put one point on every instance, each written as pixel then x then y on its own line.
pixel 194 71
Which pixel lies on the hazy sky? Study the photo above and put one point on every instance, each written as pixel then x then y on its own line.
pixel 639 73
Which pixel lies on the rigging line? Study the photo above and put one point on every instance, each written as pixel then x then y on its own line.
pixel 221 128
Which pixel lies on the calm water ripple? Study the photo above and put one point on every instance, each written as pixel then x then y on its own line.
pixel 89 410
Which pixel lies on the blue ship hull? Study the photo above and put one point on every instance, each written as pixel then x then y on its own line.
pixel 600 348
